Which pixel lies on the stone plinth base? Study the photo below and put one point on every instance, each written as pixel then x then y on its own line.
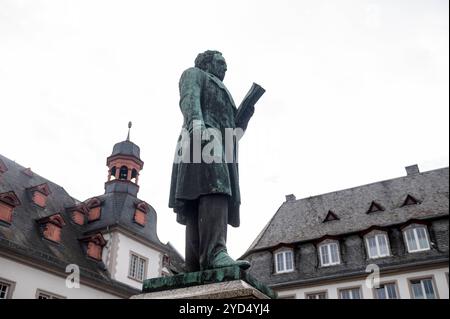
pixel 221 283
pixel 236 289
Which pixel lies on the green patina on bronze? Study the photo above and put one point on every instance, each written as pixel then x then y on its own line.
pixel 203 278
pixel 204 193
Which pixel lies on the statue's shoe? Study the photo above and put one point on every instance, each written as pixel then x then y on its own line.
pixel 222 259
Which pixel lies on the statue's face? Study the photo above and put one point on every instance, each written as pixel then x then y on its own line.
pixel 218 66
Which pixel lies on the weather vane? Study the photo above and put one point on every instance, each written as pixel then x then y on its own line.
pixel 129 128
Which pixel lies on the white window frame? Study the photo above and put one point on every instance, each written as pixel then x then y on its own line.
pixel 340 290
pixel 288 297
pixel 133 269
pixel 414 228
pixel 10 285
pixel 283 254
pixel 375 235
pixel 316 294
pixel 397 294
pixel 421 279
pixel 328 245
pixel 50 295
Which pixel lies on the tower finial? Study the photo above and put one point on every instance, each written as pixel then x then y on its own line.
pixel 129 128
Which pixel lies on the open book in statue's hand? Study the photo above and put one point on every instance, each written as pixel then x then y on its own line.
pixel 247 107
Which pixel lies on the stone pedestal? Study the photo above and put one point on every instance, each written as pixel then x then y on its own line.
pixel 221 283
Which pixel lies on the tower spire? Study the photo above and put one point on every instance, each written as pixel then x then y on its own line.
pixel 129 128
pixel 124 165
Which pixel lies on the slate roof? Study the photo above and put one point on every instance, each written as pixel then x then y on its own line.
pixel 302 220
pixel 118 210
pixel 23 236
pixel 126 148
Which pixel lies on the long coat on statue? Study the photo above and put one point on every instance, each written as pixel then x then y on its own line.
pixel 204 99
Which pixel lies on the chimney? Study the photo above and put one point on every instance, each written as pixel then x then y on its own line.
pixel 412 170
pixel 290 197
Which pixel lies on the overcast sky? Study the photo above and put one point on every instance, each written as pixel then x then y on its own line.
pixel 355 91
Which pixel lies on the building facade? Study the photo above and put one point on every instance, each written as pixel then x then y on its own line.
pixel 48 239
pixel 386 240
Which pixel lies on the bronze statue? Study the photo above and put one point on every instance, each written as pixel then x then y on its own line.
pixel 204 189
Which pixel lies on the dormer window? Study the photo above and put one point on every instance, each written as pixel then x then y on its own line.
pixel 330 217
pixel 28 172
pixel 377 244
pixel 94 246
pixel 375 207
pixel 410 200
pixel 140 214
pixel 284 260
pixel 39 194
pixel 78 213
pixel 416 238
pixel 51 227
pixel 94 209
pixel 8 201
pixel 329 253
pixel 3 167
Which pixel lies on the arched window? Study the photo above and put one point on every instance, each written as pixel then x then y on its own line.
pixel 123 173
pixel 113 173
pixel 133 175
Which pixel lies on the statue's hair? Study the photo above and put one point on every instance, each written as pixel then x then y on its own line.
pixel 203 59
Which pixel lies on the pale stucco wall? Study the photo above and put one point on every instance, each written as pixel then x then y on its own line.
pixel 402 280
pixel 28 280
pixel 118 262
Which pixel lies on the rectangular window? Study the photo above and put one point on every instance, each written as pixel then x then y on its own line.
pixel 317 295
pixel 377 246
pixel 324 255
pixel 137 267
pixel 40 294
pixel 334 253
pixel 386 291
pixel 423 289
pixel 289 260
pixel 372 243
pixel 352 293
pixel 329 254
pixel 422 238
pixel 4 290
pixel 417 239
pixel 280 262
pixel 410 240
pixel 284 261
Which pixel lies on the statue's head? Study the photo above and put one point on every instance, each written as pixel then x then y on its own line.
pixel 212 62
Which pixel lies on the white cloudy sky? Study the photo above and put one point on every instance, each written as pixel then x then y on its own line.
pixel 356 90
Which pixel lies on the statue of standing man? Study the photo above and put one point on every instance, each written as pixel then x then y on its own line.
pixel 204 190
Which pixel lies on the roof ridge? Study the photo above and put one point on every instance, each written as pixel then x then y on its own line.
pixel 45 180
pixel 368 184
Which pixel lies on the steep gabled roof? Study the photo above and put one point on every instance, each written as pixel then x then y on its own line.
pixel 23 238
pixel 302 220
